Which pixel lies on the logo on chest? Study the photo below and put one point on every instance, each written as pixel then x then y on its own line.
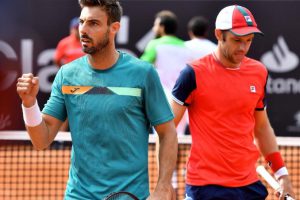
pixel 252 89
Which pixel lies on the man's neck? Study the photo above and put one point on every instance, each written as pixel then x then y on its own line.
pixel 199 37
pixel 103 60
pixel 224 61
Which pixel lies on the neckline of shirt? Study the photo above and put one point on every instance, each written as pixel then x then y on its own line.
pixel 105 70
pixel 228 68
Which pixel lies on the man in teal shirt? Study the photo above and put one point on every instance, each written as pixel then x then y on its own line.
pixel 110 99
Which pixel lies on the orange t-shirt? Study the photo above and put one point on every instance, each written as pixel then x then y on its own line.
pixel 221 104
pixel 68 49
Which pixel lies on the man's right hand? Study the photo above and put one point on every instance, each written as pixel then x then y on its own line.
pixel 27 88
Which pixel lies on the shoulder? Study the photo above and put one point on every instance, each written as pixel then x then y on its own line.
pixel 139 70
pixel 210 44
pixel 255 65
pixel 255 68
pixel 172 40
pixel 136 64
pixel 154 42
pixel 178 40
pixel 188 71
pixel 189 43
pixel 202 44
pixel 131 59
pixel 187 78
pixel 202 62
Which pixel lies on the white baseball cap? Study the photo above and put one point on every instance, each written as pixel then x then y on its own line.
pixel 238 20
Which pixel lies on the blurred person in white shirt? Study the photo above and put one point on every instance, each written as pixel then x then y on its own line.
pixel 200 46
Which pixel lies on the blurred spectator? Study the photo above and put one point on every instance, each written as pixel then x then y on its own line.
pixel 198 31
pixel 69 48
pixel 168 53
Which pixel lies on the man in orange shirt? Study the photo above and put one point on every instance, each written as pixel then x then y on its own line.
pixel 224 93
pixel 69 48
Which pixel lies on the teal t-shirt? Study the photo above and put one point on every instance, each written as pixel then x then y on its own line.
pixel 109 113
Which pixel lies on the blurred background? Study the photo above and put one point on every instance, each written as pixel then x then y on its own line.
pixel 31 29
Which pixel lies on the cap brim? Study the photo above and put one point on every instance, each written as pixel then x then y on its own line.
pixel 246 31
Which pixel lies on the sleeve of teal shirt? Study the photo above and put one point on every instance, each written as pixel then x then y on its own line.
pixel 157 106
pixel 149 54
pixel 55 106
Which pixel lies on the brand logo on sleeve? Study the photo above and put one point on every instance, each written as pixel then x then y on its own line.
pixel 74 90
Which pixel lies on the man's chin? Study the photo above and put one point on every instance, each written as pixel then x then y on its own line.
pixel 90 51
pixel 238 59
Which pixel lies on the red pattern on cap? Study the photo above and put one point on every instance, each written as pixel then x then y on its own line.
pixel 240 25
pixel 238 19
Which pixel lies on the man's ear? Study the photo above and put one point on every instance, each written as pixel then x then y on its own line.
pixel 218 34
pixel 191 34
pixel 161 29
pixel 115 27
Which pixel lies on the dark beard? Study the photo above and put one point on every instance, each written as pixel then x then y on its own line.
pixel 99 47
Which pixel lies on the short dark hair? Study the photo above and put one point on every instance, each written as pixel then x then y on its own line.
pixel 198 25
pixel 169 20
pixel 112 8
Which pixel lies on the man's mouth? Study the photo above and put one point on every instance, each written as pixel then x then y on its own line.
pixel 85 40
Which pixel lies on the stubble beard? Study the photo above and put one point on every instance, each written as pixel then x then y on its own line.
pixel 229 56
pixel 99 47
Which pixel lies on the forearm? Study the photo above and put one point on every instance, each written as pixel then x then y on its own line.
pixel 266 141
pixel 39 136
pixel 178 111
pixel 40 128
pixel 167 158
pixel 264 134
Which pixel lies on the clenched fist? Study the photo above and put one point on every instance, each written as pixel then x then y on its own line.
pixel 27 88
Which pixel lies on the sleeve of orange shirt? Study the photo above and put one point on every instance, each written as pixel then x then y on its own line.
pixel 59 53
